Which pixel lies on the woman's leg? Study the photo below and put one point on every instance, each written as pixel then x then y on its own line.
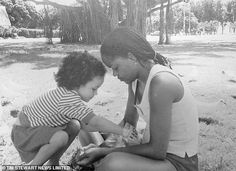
pixel 119 161
pixel 57 141
pixel 72 129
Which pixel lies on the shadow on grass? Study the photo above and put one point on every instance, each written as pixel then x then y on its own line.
pixel 39 62
pixel 41 55
pixel 44 56
pixel 196 49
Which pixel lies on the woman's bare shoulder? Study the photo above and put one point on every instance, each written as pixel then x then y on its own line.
pixel 168 83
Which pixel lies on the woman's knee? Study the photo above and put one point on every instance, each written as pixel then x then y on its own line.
pixel 112 162
pixel 73 127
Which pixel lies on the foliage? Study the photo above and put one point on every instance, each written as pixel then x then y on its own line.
pixel 31 33
pixel 8 32
pixel 209 27
pixel 22 14
pixel 51 16
pixel 204 16
pixel 13 32
pixel 50 21
pixel 220 12
pixel 214 10
pixel 90 20
pixel 178 18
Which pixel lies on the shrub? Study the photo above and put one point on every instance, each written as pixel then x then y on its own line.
pixel 8 31
pixel 31 33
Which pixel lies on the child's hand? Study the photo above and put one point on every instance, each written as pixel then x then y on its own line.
pixel 130 135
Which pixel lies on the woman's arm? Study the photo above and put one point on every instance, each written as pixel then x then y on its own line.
pixel 131 115
pixel 161 97
pixel 164 90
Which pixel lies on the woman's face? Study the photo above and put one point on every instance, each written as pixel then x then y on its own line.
pixel 123 68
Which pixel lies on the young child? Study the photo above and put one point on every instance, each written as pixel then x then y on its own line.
pixel 46 127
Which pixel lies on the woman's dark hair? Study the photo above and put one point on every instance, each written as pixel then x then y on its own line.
pixel 77 69
pixel 123 40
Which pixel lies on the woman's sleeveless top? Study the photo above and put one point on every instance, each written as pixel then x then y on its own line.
pixel 184 126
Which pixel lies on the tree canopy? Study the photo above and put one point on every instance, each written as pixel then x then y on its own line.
pixel 22 14
pixel 88 21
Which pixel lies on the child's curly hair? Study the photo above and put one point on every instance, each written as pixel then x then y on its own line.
pixel 77 69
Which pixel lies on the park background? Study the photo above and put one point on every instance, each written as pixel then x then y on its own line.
pixel 197 36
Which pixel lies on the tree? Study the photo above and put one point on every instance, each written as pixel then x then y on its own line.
pixel 165 23
pixel 131 10
pixel 161 36
pixel 22 14
pixel 51 20
pixel 209 10
pixel 198 10
pixel 168 27
pixel 100 24
pixel 113 9
pixel 136 15
pixel 141 15
pixel 221 14
pixel 85 23
pixel 158 2
pixel 93 19
pixel 233 3
pixel 231 11
pixel 178 19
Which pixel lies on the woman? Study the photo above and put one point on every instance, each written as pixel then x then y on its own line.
pixel 170 140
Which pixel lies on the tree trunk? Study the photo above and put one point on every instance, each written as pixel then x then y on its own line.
pixel 114 11
pixel 222 26
pixel 184 21
pixel 136 15
pixel 131 12
pixel 48 30
pixel 161 34
pixel 141 15
pixel 120 11
pixel 168 23
pixel 86 23
pixel 150 24
pixel 72 26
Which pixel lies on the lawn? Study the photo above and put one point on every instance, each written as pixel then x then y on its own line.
pixel 207 63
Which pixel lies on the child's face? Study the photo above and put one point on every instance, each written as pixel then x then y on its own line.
pixel 89 90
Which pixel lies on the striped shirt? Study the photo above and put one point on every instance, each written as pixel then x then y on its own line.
pixel 56 108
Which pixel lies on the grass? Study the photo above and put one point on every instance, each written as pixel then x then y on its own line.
pixel 217 136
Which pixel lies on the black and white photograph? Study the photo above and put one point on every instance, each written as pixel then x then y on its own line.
pixel 118 85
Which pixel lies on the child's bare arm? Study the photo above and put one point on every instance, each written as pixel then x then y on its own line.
pixel 101 124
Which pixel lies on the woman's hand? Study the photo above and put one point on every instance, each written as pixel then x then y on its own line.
pixel 90 156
